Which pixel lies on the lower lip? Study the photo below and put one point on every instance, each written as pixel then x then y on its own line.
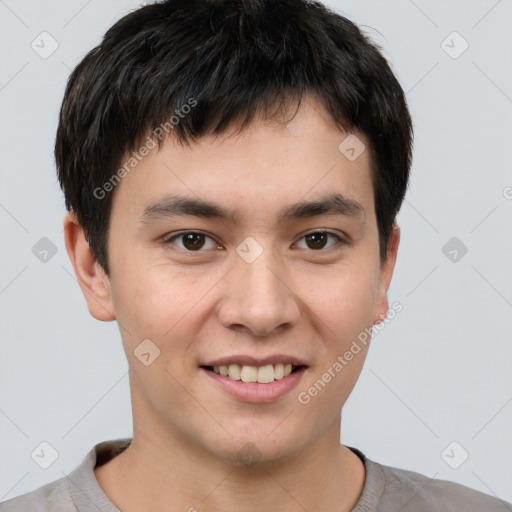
pixel 255 392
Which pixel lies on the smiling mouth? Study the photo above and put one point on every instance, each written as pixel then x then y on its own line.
pixel 262 374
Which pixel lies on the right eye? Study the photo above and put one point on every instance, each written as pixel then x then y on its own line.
pixel 193 241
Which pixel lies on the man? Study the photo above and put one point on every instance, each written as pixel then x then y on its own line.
pixel 233 171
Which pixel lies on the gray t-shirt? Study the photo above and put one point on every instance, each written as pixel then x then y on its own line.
pixel 386 489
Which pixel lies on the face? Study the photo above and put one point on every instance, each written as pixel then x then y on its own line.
pixel 261 276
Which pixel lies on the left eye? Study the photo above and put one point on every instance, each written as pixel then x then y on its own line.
pixel 194 241
pixel 319 238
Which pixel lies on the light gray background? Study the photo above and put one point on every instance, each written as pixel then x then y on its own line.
pixel 439 372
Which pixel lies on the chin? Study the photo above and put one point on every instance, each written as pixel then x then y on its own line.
pixel 257 449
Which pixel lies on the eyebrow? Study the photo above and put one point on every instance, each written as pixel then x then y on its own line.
pixel 170 206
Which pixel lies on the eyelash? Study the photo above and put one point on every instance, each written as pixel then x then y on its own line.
pixel 169 240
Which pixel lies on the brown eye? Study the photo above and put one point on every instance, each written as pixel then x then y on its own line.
pixel 318 240
pixel 191 241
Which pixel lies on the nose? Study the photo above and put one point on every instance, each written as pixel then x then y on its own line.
pixel 258 297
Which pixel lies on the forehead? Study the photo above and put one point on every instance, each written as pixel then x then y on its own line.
pixel 265 166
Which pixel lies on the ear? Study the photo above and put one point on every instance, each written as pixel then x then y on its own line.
pixel 386 273
pixel 93 281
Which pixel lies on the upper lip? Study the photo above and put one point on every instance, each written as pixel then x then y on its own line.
pixel 246 360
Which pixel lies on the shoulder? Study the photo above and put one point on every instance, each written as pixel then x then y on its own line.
pixel 416 492
pixel 77 491
pixel 52 497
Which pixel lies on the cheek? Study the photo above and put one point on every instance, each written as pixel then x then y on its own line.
pixel 162 304
pixel 148 305
pixel 344 304
pixel 344 299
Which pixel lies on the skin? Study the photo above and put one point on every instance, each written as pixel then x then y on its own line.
pixel 296 298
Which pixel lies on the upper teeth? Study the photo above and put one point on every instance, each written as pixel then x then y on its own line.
pixel 262 374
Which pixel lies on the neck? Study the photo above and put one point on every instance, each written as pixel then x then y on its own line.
pixel 170 470
pixel 325 476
